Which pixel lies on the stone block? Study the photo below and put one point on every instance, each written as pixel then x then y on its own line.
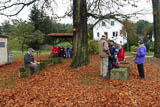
pixel 119 74
pixel 52 61
pixel 125 65
pixel 124 62
pixel 25 72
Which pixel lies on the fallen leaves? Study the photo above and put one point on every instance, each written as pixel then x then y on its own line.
pixel 60 85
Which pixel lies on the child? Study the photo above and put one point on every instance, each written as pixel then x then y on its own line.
pixel 115 61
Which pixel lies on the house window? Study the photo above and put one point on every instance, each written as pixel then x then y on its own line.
pixel 106 33
pixel 112 23
pixel 115 34
pixel 98 34
pixel 2 44
pixel 103 23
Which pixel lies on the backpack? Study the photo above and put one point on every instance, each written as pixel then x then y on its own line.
pixel 116 63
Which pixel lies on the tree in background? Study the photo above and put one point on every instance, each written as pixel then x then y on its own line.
pixel 144 31
pixel 24 33
pixel 5 28
pixel 36 39
pixel 36 17
pixel 140 26
pixel 129 27
pixel 149 37
pixel 47 24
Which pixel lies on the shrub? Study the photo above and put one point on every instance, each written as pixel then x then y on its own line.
pixel 134 48
pixel 92 47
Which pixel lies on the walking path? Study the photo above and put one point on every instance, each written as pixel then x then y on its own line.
pixel 132 56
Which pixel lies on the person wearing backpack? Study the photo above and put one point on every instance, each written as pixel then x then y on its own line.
pixel 115 59
pixel 112 57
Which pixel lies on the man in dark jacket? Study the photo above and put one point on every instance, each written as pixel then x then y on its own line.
pixel 30 62
pixel 111 58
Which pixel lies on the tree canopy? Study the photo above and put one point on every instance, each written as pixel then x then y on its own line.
pixel 24 33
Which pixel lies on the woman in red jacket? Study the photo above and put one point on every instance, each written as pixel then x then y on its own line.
pixel 121 54
pixel 54 51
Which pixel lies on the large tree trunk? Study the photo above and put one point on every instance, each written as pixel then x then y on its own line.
pixel 80 32
pixel 156 15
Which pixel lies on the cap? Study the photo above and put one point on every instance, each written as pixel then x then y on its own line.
pixel 140 41
pixel 104 36
pixel 31 49
pixel 111 41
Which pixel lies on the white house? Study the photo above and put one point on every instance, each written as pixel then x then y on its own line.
pixel 3 50
pixel 112 28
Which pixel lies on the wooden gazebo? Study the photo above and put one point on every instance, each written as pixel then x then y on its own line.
pixel 68 37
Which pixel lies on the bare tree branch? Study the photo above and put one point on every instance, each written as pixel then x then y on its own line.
pixel 19 5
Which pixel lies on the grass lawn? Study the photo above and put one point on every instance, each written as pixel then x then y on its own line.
pixel 148 53
pixel 47 52
pixel 20 54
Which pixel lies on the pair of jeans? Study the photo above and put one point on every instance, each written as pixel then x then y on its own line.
pixel 110 64
pixel 140 70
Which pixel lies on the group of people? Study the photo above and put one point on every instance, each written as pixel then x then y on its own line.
pixel 61 52
pixel 111 55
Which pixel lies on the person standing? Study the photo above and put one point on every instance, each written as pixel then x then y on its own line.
pixel 104 53
pixel 30 62
pixel 121 54
pixel 140 57
pixel 68 51
pixel 111 59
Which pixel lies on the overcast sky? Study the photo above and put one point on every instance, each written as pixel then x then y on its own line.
pixel 62 7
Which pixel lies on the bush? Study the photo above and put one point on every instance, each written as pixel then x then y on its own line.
pixel 134 48
pixel 92 47
pixel 149 46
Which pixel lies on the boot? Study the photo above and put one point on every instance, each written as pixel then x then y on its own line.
pixel 108 75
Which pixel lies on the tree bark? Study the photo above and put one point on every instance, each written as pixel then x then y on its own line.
pixel 156 16
pixel 80 33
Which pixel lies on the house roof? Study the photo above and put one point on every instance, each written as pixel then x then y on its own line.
pixel 61 34
pixel 2 36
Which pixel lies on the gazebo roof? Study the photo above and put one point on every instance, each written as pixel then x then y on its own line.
pixel 2 36
pixel 61 34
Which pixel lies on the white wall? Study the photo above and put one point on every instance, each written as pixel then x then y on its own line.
pixel 98 28
pixel 3 52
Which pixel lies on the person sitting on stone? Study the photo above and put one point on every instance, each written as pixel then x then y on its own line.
pixel 30 62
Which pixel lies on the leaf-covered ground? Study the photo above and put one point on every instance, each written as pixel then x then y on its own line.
pixel 59 85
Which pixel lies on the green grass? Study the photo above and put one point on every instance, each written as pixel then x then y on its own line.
pixel 130 53
pixel 64 44
pixel 20 54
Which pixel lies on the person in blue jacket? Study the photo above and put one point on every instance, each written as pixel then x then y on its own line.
pixel 140 58
pixel 68 52
pixel 112 59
